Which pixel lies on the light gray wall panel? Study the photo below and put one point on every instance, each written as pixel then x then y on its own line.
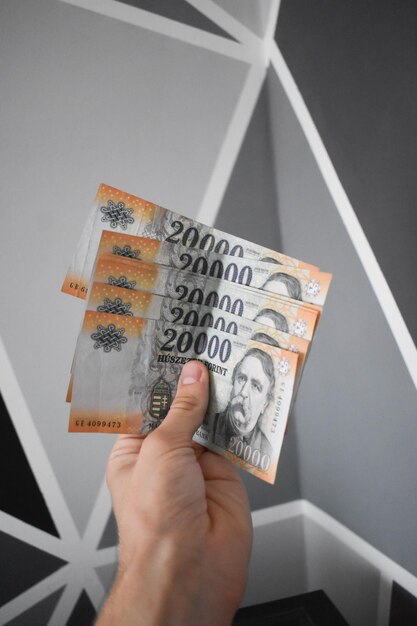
pixel 356 411
pixel 85 99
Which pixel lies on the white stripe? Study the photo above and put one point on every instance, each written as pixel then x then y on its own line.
pixel 165 26
pixel 95 589
pixel 34 450
pixel 375 275
pixel 98 518
pixel 34 536
pixel 106 556
pixel 35 594
pixel 364 549
pixel 277 513
pixel 384 600
pixel 66 603
pixel 272 20
pixel 227 22
pixel 230 148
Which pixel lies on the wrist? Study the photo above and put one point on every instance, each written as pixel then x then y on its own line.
pixel 159 585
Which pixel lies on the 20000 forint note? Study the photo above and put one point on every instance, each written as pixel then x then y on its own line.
pixel 127 370
pixel 297 283
pixel 311 287
pixel 117 301
pixel 253 304
pixel 116 210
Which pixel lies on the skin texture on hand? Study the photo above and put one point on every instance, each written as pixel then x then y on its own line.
pixel 184 522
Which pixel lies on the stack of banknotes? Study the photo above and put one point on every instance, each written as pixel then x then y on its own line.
pixel 162 289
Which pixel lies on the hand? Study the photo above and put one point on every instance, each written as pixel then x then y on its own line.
pixel 184 522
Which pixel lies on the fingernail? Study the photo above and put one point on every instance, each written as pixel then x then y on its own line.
pixel 191 373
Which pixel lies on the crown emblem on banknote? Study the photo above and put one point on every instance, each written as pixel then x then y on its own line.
pixel 109 338
pixel 284 366
pixel 116 306
pixel 300 328
pixel 312 288
pixel 160 399
pixel 117 214
pixel 126 251
pixel 121 282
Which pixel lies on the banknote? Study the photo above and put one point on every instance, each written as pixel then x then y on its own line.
pixel 115 300
pixel 290 316
pixel 300 284
pixel 126 374
pixel 118 211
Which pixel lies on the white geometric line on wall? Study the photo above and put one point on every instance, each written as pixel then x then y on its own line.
pixel 272 23
pixel 166 26
pixel 243 112
pixel 384 600
pixel 105 556
pixel 364 251
pixel 238 125
pixel 94 588
pixel 227 23
pixel 34 450
pixel 98 518
pixel 34 536
pixel 230 148
pixel 65 604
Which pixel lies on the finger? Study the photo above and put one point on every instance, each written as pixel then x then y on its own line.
pixel 125 445
pixel 189 407
pixel 123 456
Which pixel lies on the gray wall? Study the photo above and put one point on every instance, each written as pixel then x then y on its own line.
pixel 88 98
pixel 356 414
pixel 356 410
pixel 357 71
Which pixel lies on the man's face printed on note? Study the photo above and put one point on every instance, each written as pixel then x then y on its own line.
pixel 249 395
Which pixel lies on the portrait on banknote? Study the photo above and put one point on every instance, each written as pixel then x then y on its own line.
pixel 269 317
pixel 253 384
pixel 283 284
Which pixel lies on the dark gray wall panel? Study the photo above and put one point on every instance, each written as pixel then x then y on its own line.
pixel 249 210
pixel 403 607
pixel 356 408
pixel 20 495
pixel 26 566
pixel 84 613
pixel 39 614
pixel 356 67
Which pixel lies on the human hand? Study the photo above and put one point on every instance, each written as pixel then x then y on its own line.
pixel 184 522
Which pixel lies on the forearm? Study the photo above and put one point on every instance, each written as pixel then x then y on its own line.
pixel 159 586
pixel 165 587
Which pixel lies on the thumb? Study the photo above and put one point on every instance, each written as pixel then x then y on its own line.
pixel 189 406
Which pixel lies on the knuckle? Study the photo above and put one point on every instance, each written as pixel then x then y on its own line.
pixel 185 402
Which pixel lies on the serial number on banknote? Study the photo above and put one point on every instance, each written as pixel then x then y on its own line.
pixel 98 423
